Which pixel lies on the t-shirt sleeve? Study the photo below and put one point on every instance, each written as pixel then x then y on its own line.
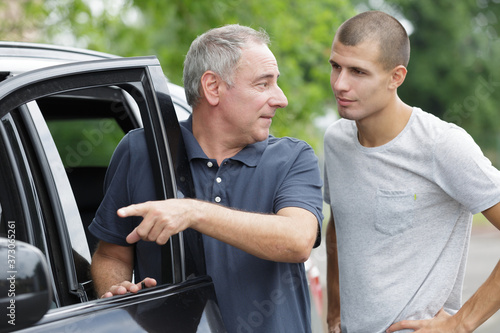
pixel 462 170
pixel 129 168
pixel 302 186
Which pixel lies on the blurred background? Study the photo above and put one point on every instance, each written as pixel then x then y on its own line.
pixel 453 71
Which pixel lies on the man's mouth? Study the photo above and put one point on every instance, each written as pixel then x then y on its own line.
pixel 344 101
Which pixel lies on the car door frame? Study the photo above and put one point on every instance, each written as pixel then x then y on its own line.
pixel 143 78
pixel 140 75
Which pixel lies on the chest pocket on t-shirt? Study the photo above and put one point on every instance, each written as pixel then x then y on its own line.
pixel 395 211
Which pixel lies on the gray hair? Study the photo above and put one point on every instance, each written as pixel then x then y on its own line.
pixel 218 50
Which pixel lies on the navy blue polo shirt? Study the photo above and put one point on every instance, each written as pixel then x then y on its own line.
pixel 254 295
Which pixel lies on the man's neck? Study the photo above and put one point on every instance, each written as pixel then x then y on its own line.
pixel 378 131
pixel 213 141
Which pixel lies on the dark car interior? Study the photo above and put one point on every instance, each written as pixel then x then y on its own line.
pixel 87 144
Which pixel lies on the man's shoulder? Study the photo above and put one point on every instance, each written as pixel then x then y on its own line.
pixel 287 142
pixel 341 129
pixel 434 128
pixel 132 145
pixel 135 139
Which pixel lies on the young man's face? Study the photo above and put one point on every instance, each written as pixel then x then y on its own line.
pixel 249 105
pixel 358 80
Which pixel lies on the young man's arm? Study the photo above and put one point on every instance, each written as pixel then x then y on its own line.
pixel 481 306
pixel 332 278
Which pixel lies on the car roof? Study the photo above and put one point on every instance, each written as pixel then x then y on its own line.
pixel 20 57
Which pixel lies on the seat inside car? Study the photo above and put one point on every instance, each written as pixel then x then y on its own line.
pixel 87 184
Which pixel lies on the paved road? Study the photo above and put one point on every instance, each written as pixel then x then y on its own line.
pixel 484 254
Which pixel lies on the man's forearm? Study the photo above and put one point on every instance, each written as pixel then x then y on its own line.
pixel 108 271
pixel 287 236
pixel 483 304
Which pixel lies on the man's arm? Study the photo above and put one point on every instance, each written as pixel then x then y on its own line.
pixel 287 236
pixel 481 306
pixel 111 270
pixel 332 278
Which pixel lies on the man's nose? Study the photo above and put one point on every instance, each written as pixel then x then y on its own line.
pixel 279 99
pixel 339 81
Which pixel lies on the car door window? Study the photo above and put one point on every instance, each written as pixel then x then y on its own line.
pixel 18 196
pixel 55 207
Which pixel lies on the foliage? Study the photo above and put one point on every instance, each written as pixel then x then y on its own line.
pixel 301 33
pixel 452 72
pixel 22 19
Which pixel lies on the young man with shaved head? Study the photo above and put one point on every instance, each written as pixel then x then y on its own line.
pixel 402 186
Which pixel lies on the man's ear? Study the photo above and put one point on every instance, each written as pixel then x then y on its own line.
pixel 210 83
pixel 398 76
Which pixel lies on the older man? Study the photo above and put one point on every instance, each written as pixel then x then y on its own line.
pixel 258 197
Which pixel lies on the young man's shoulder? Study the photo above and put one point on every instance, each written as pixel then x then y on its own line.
pixel 433 127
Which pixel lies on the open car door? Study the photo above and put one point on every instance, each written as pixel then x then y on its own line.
pixel 177 304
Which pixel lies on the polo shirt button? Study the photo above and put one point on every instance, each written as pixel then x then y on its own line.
pixel 210 164
pixel 217 199
pixel 218 179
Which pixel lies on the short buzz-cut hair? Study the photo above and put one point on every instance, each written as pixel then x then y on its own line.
pixel 394 44
pixel 218 50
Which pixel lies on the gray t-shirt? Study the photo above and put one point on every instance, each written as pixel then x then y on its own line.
pixel 403 216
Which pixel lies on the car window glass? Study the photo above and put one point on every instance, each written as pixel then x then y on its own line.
pixel 16 193
pixel 20 217
pixel 55 115
pixel 85 142
pixel 86 126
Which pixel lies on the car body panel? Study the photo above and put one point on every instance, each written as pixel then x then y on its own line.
pixel 186 307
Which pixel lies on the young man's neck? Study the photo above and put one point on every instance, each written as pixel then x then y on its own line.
pixel 378 131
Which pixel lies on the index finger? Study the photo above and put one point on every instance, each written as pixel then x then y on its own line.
pixel 132 210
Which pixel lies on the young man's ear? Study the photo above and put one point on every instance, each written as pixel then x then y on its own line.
pixel 398 76
pixel 210 83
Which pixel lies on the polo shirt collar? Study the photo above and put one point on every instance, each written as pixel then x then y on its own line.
pixel 250 155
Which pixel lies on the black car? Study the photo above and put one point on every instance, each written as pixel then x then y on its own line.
pixel 59 126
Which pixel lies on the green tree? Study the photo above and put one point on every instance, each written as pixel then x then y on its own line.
pixel 301 33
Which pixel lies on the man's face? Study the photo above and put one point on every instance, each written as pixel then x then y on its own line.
pixel 359 81
pixel 249 105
